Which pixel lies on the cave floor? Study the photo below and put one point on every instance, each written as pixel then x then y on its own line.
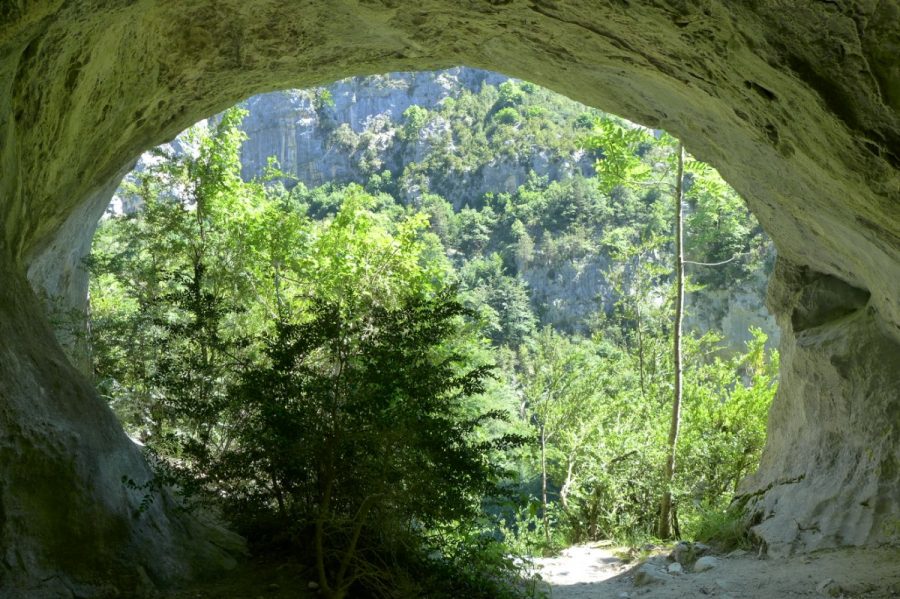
pixel 595 572
pixel 585 571
pixel 258 578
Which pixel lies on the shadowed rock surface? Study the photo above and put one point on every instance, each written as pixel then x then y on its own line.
pixel 797 104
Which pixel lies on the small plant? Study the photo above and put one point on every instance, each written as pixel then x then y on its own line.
pixel 522 531
pixel 476 564
pixel 726 529
pixel 322 99
pixel 148 488
pixel 892 529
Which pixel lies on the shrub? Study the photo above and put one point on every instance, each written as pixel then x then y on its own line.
pixel 355 431
pixel 508 116
pixel 725 529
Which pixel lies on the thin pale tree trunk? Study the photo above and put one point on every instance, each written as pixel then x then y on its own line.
pixel 665 512
pixel 546 520
pixel 567 485
pixel 640 347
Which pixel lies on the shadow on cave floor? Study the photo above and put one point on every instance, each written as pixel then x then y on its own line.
pixel 257 578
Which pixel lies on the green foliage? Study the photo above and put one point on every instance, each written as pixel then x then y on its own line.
pixel 356 423
pixel 473 230
pixel 511 94
pixel 469 561
pixel 507 116
pixel 317 360
pixel 725 427
pixel 725 408
pixel 500 300
pixel 310 377
pixel 164 287
pixel 726 528
pixel 415 118
pixel 721 229
pixel 620 163
pixel 323 99
pixel 371 400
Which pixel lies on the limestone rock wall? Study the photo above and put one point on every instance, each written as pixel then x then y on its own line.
pixel 733 311
pixel 796 103
pixel 66 515
pixel 837 412
pixel 300 129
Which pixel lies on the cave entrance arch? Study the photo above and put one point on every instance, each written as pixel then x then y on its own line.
pixel 799 112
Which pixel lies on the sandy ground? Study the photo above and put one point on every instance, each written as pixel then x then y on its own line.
pixel 587 572
pixel 591 572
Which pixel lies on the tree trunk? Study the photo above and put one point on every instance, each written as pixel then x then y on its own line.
pixel 319 535
pixel 666 504
pixel 567 485
pixel 544 485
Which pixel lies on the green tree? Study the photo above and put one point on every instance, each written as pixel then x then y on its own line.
pixel 358 422
pixel 415 118
pixel 500 299
pixel 665 510
pixel 524 246
pixel 166 280
pixel 216 276
pixel 559 391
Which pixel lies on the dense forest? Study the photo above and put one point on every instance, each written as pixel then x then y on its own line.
pixel 393 385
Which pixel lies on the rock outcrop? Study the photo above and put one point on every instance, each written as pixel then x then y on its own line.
pixel 837 412
pixel 305 131
pixel 298 128
pixel 796 103
pixel 733 311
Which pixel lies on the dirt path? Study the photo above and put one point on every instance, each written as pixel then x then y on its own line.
pixel 586 572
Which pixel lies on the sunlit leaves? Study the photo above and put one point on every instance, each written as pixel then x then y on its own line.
pixel 619 163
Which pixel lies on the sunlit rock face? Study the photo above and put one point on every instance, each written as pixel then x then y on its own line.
pixel 796 103
pixel 354 132
pixel 307 134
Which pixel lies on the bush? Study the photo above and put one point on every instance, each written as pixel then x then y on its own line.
pixel 725 529
pixel 508 116
pixel 415 117
pixel 355 431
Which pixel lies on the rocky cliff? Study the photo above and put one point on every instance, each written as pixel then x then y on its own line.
pixel 348 131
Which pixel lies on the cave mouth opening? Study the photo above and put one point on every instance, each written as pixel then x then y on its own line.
pixel 394 186
pixel 748 90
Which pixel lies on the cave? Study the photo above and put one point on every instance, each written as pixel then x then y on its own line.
pixel 796 104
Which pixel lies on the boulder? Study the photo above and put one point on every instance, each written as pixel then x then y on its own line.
pixel 707 562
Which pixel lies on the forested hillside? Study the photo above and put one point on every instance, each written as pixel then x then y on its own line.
pixel 477 141
pixel 409 374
